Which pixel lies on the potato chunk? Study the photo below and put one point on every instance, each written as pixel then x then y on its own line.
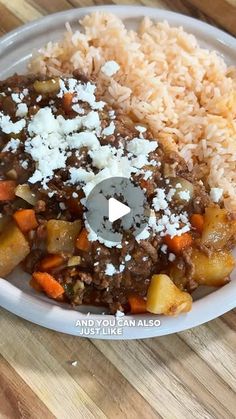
pixel 178 276
pixel 4 220
pixel 13 248
pixel 183 185
pixel 164 297
pixel 61 236
pixel 213 270
pixel 47 86
pixel 218 229
pixel 24 192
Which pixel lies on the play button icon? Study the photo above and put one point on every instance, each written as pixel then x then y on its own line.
pixel 116 210
pixel 116 207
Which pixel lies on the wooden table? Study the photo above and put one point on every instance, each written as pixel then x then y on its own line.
pixel 188 375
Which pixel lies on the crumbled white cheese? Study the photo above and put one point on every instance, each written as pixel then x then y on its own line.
pixel 68 126
pixel 16 97
pixel 24 164
pixel 184 217
pixel 71 85
pixel 171 257
pixel 92 121
pixel 101 158
pixel 139 146
pixel 216 194
pixel 156 164
pixel 51 137
pixel 160 202
pixel 127 258
pixel 164 248
pixel 147 174
pixel 39 98
pixel 77 108
pixel 43 122
pixel 140 129
pixel 139 161
pixel 48 151
pixel 50 194
pixel 121 267
pixel 9 127
pixel 184 195
pixel 118 166
pixel 85 93
pixel 110 68
pixel 21 110
pixel 80 175
pixel 62 206
pixel 82 92
pixel 75 195
pixel 12 145
pixel 168 223
pixel 83 139
pixel 36 177
pixel 112 114
pixel 109 130
pixel 170 194
pixel 110 269
pixel 143 235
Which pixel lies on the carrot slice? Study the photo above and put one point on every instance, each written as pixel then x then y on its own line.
pixel 137 304
pixel 178 243
pixel 7 190
pixel 197 221
pixel 82 242
pixel 48 284
pixel 26 220
pixel 51 261
pixel 67 102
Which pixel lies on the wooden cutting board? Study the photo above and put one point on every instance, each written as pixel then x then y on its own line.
pixel 188 375
pixel 219 12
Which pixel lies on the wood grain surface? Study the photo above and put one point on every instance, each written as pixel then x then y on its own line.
pixel 187 375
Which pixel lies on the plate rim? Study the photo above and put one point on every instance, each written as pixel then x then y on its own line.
pixel 31 308
pixel 136 9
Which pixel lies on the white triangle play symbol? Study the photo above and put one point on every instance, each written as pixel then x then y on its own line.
pixel 116 210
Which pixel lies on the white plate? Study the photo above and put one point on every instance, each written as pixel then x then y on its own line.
pixel 16 296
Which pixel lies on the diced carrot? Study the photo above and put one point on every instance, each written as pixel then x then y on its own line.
pixel 82 242
pixel 178 243
pixel 50 262
pixel 197 221
pixel 26 220
pixel 137 304
pixel 48 284
pixel 7 190
pixel 67 102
